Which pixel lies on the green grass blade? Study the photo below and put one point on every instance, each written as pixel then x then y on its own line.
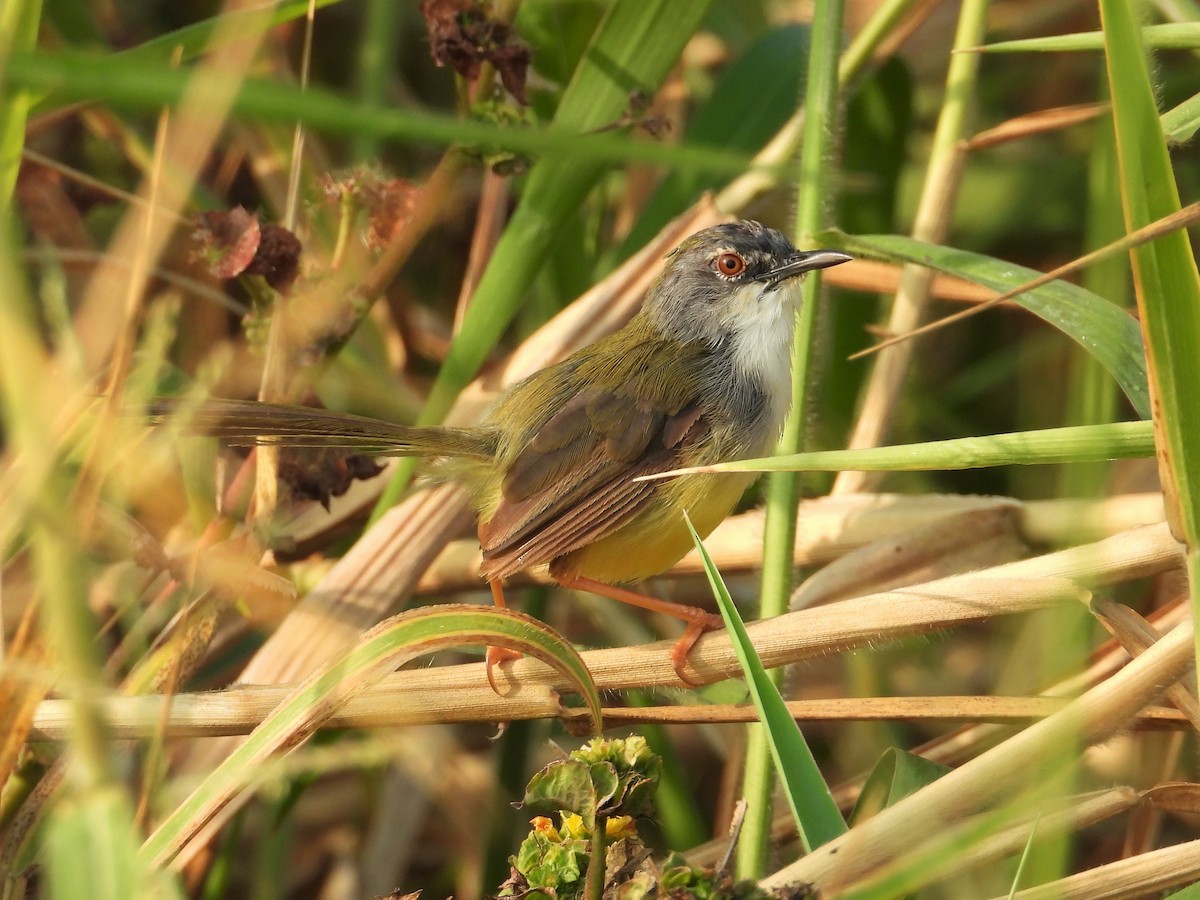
pixel 817 817
pixel 1101 328
pixel 144 85
pixel 1165 278
pixel 380 651
pixel 1072 444
pixel 1025 854
pixel 1171 36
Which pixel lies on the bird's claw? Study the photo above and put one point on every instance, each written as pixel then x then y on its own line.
pixel 683 646
pixel 496 656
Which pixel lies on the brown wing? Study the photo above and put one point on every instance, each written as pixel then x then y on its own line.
pixel 572 484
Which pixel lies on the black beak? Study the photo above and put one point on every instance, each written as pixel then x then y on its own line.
pixel 803 262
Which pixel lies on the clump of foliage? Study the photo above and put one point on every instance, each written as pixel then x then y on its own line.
pixel 600 792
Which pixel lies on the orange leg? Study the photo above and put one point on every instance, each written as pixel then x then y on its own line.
pixel 698 620
pixel 497 655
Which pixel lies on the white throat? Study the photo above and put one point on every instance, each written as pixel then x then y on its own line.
pixel 762 322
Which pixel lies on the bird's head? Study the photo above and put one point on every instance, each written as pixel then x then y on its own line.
pixel 730 279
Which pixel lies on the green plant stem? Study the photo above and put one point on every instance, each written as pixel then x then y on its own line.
pixel 783 489
pixel 768 162
pixel 593 886
pixel 1092 394
pixel 375 62
pixel 18 32
pixel 133 83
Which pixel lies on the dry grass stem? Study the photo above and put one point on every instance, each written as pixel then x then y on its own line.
pixel 1137 636
pixel 884 278
pixel 1140 876
pixel 461 693
pixel 998 772
pixel 238 710
pixel 958 849
pixel 1035 123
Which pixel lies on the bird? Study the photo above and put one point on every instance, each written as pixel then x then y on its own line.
pixel 700 374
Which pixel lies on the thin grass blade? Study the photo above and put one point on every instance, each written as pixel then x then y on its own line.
pixel 817 817
pixel 1172 36
pixel 144 85
pixel 1072 444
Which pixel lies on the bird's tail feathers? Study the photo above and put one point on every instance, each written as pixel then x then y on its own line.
pixel 250 423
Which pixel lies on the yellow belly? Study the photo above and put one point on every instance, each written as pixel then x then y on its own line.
pixel 658 537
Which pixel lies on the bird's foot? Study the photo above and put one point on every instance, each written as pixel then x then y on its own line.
pixel 698 620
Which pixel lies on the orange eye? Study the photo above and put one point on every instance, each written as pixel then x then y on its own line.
pixel 730 265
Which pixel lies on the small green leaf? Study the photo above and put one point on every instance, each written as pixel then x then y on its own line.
pixel 557 865
pixel 897 774
pixel 607 784
pixel 603 777
pixel 568 785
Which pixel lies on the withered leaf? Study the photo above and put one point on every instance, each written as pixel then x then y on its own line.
pixel 323 473
pixel 232 242
pixel 389 202
pixel 278 257
pixel 225 241
pixel 462 36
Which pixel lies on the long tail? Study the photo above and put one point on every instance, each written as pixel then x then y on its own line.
pixel 247 422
